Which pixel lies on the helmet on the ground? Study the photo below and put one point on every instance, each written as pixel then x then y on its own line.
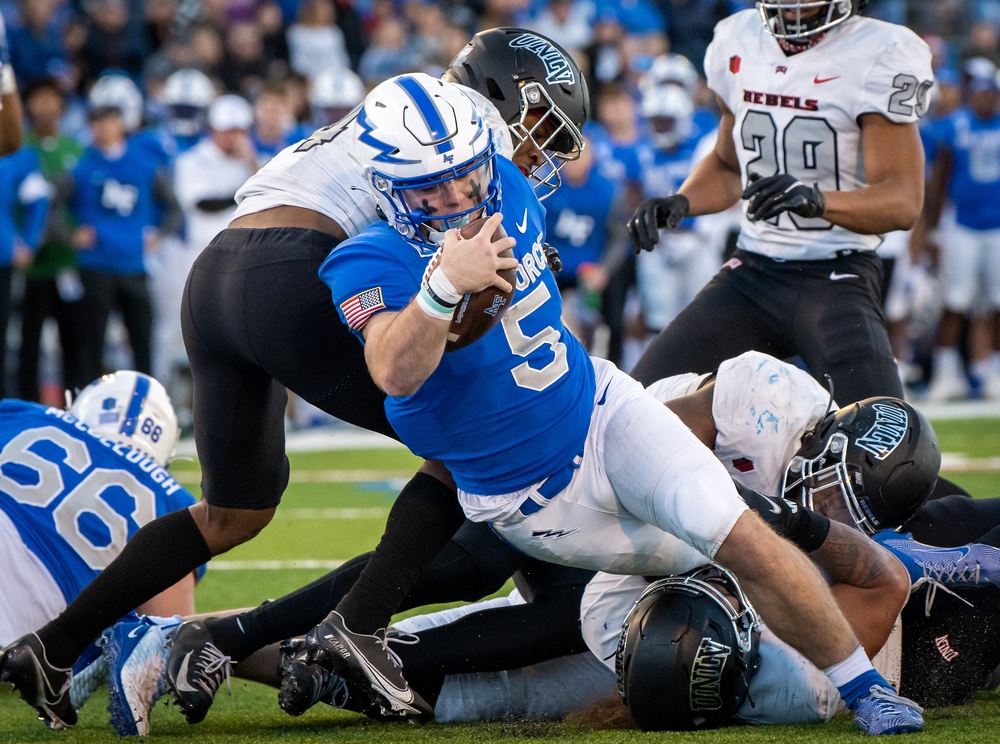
pixel 117 90
pixel 414 134
pixel 133 409
pixel 797 28
pixel 538 88
pixel 187 95
pixel 686 654
pixel 669 113
pixel 333 93
pixel 881 455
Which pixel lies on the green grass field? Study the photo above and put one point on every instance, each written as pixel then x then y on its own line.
pixel 334 509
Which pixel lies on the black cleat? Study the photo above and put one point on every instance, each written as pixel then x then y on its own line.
pixel 369 667
pixel 42 686
pixel 303 684
pixel 196 669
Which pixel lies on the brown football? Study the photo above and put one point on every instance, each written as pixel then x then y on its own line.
pixel 478 312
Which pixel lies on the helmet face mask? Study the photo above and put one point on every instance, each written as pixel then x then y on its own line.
pixel 132 409
pixel 187 94
pixel 687 651
pixel 877 459
pixel 801 20
pixel 539 91
pixel 428 157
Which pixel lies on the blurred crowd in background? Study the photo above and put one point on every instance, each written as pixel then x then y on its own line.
pixel 198 94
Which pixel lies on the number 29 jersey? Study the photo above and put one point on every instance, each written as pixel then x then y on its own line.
pixel 798 114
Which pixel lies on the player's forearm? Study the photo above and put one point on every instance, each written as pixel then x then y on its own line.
pixel 712 187
pixel 405 350
pixel 11 123
pixel 874 210
pixel 869 587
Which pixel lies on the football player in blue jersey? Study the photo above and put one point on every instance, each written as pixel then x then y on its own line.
pixel 258 280
pixel 74 487
pixel 123 202
pixel 579 465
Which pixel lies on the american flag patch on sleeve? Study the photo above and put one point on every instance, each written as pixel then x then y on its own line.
pixel 361 307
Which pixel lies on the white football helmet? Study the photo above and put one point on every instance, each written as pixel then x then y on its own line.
pixel 133 409
pixel 795 27
pixel 117 90
pixel 669 112
pixel 333 93
pixel 672 69
pixel 414 134
pixel 187 95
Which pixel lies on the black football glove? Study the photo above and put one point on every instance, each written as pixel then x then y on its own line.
pixel 772 195
pixel 805 528
pixel 552 257
pixel 651 215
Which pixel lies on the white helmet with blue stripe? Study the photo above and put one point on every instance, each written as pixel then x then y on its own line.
pixel 118 90
pixel 414 133
pixel 133 409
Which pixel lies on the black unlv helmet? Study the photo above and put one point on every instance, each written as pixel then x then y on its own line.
pixel 794 27
pixel 538 89
pixel 685 656
pixel 881 455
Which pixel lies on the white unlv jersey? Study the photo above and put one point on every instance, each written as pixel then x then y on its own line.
pixel 321 174
pixel 762 408
pixel 798 114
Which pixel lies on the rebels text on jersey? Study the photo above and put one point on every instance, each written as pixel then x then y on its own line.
pixel 511 408
pixel 799 114
pixel 74 497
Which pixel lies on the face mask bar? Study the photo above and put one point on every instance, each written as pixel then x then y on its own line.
pixel 552 134
pixel 707 580
pixel 799 28
pixel 828 470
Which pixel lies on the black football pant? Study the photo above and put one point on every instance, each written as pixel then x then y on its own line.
pixel 827 312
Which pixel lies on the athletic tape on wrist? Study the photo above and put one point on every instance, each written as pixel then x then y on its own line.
pixel 431 306
pixel 441 287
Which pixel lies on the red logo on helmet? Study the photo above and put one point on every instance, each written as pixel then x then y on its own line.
pixel 734 64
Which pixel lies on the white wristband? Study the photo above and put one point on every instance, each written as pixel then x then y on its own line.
pixel 8 83
pixel 442 287
pixel 426 303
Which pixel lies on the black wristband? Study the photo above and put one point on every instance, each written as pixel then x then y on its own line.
pixel 807 529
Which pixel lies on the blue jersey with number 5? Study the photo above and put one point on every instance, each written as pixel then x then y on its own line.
pixel 73 497
pixel 513 407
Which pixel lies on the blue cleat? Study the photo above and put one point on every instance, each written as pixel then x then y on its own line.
pixel 967 566
pixel 89 673
pixel 882 712
pixel 136 655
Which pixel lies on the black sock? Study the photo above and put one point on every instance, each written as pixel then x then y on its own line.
pixel 292 615
pixel 157 557
pixel 425 515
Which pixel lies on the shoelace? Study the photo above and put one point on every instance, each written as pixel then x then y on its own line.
pixel 932 589
pixel 396 636
pixel 213 666
pixel 885 699
pixel 332 688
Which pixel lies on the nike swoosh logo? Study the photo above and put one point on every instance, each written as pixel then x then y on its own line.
pixel 522 226
pixel 133 633
pixel 181 682
pixel 819 81
pixel 604 395
pixel 834 276
pixel 775 509
pixel 374 672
